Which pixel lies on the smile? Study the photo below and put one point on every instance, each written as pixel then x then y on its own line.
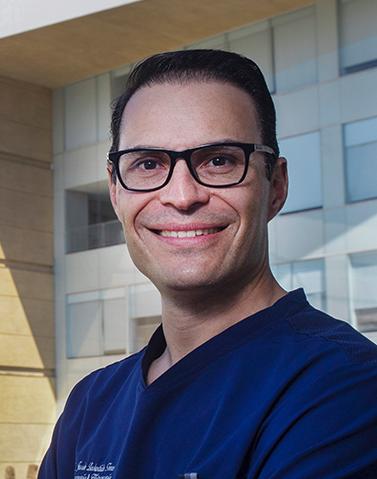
pixel 189 233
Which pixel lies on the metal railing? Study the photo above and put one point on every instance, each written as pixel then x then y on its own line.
pixel 98 235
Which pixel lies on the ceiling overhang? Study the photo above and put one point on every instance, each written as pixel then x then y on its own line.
pixel 70 51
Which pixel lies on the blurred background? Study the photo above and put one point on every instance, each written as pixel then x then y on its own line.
pixel 70 298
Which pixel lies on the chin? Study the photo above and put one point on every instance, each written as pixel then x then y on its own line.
pixel 183 281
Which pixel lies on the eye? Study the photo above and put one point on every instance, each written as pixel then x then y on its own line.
pixel 220 161
pixel 149 164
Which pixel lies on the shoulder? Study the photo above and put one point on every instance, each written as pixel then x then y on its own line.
pixel 101 383
pixel 333 377
pixel 312 326
pixel 316 356
pixel 325 412
pixel 303 342
pixel 87 402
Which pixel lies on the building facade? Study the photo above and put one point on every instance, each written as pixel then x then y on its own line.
pixel 320 63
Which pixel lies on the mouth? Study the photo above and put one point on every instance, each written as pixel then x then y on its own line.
pixel 171 233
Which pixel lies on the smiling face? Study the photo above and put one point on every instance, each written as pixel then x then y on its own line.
pixel 186 236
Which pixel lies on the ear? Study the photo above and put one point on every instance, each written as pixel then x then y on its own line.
pixel 278 187
pixel 112 189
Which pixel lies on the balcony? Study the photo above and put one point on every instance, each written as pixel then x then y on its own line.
pixel 97 235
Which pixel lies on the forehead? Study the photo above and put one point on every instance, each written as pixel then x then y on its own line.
pixel 181 115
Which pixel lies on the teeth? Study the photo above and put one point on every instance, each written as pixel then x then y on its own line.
pixel 188 234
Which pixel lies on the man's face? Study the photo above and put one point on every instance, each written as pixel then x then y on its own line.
pixel 232 244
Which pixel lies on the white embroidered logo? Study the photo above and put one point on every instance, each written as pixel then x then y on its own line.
pixel 93 470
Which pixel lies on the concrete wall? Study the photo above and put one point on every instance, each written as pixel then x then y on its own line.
pixel 27 361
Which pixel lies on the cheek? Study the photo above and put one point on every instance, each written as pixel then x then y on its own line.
pixel 253 210
pixel 130 206
pixel 249 199
pixel 127 209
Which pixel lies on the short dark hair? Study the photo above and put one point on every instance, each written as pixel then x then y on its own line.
pixel 203 65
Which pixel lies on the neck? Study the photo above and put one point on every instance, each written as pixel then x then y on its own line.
pixel 190 320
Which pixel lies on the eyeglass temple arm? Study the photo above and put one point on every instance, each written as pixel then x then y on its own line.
pixel 110 163
pixel 268 164
pixel 264 149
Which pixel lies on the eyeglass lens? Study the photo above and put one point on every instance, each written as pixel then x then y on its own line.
pixel 214 165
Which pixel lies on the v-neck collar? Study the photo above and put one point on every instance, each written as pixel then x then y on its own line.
pixel 227 340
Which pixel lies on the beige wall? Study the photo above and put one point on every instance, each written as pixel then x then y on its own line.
pixel 27 398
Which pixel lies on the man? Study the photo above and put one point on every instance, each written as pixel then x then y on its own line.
pixel 242 380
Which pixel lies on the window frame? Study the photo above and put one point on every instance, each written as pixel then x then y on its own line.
pixel 351 288
pixel 310 208
pixel 348 200
pixel 99 296
pixel 358 67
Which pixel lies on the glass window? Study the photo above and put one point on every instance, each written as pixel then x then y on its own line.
pixel 90 219
pixel 358 34
pixel 303 274
pixel 84 336
pixel 295 51
pixel 145 313
pixel 364 290
pixel 360 145
pixel 144 300
pixel 114 325
pixel 303 154
pixel 255 42
pixel 143 330
pixel 96 323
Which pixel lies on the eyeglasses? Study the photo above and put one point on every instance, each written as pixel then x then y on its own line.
pixel 217 165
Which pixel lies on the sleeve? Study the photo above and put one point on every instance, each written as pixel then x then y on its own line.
pixel 48 468
pixel 327 430
pixel 59 460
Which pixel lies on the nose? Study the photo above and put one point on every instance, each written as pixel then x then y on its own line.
pixel 183 192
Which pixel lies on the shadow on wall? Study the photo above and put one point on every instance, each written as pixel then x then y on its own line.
pixel 27 358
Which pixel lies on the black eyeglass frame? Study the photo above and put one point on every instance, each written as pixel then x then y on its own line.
pixel 248 148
